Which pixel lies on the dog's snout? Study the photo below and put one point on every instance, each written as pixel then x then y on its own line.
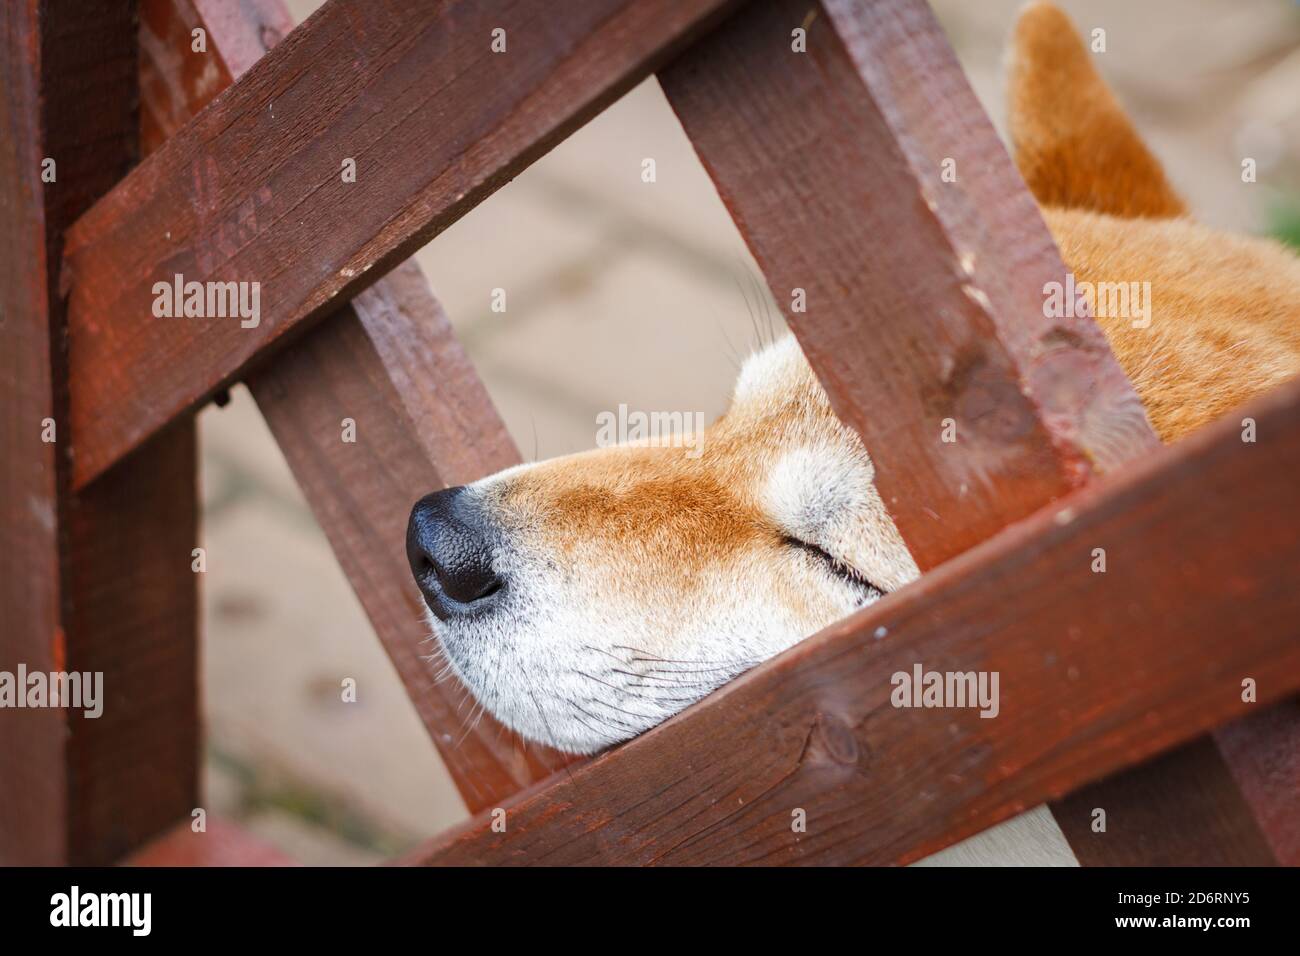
pixel 450 552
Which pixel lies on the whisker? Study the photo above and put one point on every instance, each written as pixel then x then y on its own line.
pixel 598 731
pixel 680 684
pixel 696 670
pixel 607 721
pixel 599 650
pixel 603 703
pixel 536 703
pixel 647 656
pixel 647 698
pixel 597 679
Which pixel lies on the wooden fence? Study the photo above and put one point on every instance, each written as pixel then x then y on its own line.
pixel 1121 691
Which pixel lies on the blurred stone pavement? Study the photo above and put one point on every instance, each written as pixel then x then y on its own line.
pixel 618 291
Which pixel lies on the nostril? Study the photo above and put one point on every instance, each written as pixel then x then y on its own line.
pixel 478 589
pixel 449 547
pixel 466 579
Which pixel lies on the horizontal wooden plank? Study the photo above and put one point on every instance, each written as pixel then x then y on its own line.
pixel 922 297
pixel 390 361
pixel 252 190
pixel 1096 671
pixel 423 421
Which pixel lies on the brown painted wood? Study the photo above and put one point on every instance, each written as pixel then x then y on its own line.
pixel 33 784
pixel 98 581
pixel 923 297
pixel 1263 752
pixel 1232 798
pixel 251 189
pixel 1097 672
pixel 223 843
pixel 131 611
pixel 1183 808
pixel 241 33
pixel 175 81
pixel 391 362
pixel 423 420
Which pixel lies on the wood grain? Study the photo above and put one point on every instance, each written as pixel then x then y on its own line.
pixel 389 361
pixel 1097 672
pixel 98 581
pixel 251 190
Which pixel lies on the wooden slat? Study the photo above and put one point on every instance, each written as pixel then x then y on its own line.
pixel 177 81
pixel 1181 809
pixel 1097 671
pixel 1263 752
pixel 132 611
pixel 924 298
pixel 423 421
pixel 390 362
pixel 925 302
pixel 99 581
pixel 33 786
pixel 251 190
pixel 222 843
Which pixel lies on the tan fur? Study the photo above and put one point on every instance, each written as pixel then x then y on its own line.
pixel 1073 143
pixel 1225 322
pixel 620 512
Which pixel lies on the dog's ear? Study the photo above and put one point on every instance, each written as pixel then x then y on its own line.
pixel 1075 147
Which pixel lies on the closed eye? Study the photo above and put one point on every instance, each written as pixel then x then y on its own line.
pixel 838 567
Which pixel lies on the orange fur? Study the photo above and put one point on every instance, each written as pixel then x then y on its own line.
pixel 687 514
pixel 1074 145
pixel 1225 322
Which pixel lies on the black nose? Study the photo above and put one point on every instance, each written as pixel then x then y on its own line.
pixel 450 552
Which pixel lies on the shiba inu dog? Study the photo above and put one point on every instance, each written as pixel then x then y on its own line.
pixel 585 599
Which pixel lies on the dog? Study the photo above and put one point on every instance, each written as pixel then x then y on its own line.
pixel 585 599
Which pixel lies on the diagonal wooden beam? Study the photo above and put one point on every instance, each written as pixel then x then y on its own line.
pixel 865 173
pixel 97 582
pixel 176 80
pixel 1096 672
pixel 388 361
pixel 252 190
